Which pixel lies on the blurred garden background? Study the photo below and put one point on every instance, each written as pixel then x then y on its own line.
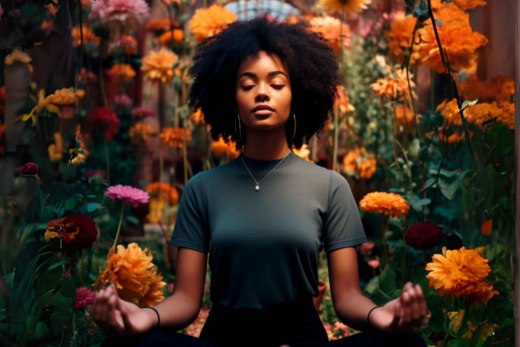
pixel 97 143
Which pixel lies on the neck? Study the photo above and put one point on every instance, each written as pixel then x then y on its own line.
pixel 266 145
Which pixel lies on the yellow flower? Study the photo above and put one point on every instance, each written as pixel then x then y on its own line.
pixel 56 149
pixel 174 137
pixel 17 56
pixel 349 7
pixel 461 273
pixel 165 189
pixel 51 103
pixel 359 163
pixel 389 204
pixel 399 37
pixel 158 65
pixel 207 22
pixel 134 275
pixel 156 207
pixel 140 132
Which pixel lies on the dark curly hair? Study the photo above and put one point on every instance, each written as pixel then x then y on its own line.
pixel 311 64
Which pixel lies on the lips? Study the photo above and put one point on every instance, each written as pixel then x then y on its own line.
pixel 262 109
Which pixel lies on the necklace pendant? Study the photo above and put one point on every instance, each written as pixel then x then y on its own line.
pixel 257 187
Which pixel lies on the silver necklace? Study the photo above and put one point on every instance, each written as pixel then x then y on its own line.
pixel 257 186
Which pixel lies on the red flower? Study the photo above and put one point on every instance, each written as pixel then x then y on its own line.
pixel 29 169
pixel 77 232
pixel 423 235
pixel 105 120
pixel 84 297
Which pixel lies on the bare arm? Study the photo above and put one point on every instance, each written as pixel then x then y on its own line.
pixel 406 313
pixel 118 317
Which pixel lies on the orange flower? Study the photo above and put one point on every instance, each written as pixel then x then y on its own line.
pixel 450 111
pixel 349 7
pixel 223 148
pixel 483 113
pixel 89 38
pixel 461 273
pixel 163 188
pixel 140 132
pixel 498 88
pixel 470 4
pixel 62 97
pixel 197 117
pixel 487 227
pixel 395 86
pixel 336 33
pixel 388 204
pixel 121 72
pixel 56 149
pixel 174 137
pixel 399 37
pixel 303 152
pixel 207 22
pixel 161 25
pixel 342 101
pixel 134 275
pixel 359 163
pixel 453 138
pixel 458 41
pixel 158 65
pixel 167 39
pixel 404 115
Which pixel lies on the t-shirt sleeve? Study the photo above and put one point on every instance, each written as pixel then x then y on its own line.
pixel 342 227
pixel 191 227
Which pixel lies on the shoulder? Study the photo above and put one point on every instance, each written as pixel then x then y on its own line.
pixel 201 179
pixel 316 172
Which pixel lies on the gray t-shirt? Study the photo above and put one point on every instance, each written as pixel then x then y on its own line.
pixel 264 245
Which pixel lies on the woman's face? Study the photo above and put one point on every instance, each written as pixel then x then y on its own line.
pixel 263 92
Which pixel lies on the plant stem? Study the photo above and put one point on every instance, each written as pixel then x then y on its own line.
pixel 119 225
pixel 107 161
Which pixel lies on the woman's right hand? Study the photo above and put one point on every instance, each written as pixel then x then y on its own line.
pixel 117 317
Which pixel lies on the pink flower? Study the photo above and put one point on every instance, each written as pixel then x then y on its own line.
pixel 122 100
pixel 366 248
pixel 131 195
pixel 374 263
pixel 123 11
pixel 29 169
pixel 141 112
pixel 84 297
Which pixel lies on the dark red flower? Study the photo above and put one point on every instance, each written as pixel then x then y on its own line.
pixel 84 297
pixel 77 232
pixel 105 120
pixel 423 235
pixel 29 169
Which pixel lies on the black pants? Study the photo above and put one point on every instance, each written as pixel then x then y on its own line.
pixel 295 325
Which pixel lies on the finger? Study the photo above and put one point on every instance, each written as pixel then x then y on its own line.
pixel 406 314
pixel 422 301
pixel 415 308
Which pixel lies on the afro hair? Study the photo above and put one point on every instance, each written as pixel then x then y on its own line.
pixel 310 63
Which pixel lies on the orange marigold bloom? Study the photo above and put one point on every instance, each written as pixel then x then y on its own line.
pixel 134 275
pixel 207 22
pixel 160 25
pixel 404 115
pixel 197 117
pixel 163 188
pixel 158 65
pixel 395 86
pixel 461 273
pixel 399 37
pixel 349 7
pixel 449 109
pixel 450 16
pixel 121 72
pixel 88 37
pixel 359 163
pixel 388 204
pixel 483 113
pixel 458 41
pixel 140 132
pixel 223 148
pixel 333 30
pixel 167 39
pixel 470 4
pixel 303 152
pixel 498 88
pixel 174 137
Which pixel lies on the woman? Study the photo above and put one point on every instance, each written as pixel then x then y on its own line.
pixel 264 217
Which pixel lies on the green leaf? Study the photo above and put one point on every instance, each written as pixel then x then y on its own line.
pixel 92 206
pixel 449 189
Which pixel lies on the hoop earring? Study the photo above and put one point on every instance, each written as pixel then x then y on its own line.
pixel 294 129
pixel 238 129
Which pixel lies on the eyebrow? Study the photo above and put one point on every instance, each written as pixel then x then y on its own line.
pixel 270 74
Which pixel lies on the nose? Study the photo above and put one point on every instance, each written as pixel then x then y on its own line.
pixel 262 95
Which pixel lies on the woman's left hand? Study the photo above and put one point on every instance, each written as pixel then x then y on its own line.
pixel 404 314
